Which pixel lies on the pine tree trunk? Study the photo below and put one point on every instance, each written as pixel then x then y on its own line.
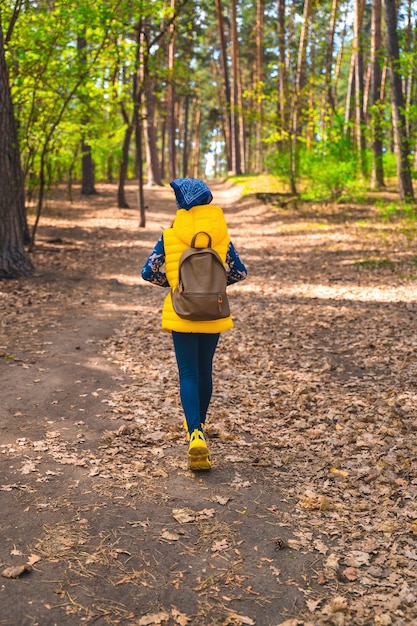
pixel 282 70
pixel 13 225
pixel 402 147
pixel 241 125
pixel 339 60
pixel 124 163
pixel 154 175
pixel 226 84
pixel 377 179
pixel 87 170
pixel 235 119
pixel 152 158
pixel 359 84
pixel 138 87
pixel 87 165
pixel 170 102
pixel 297 97
pixel 196 134
pixel 185 143
pixel 349 95
pixel 408 83
pixel 328 95
pixel 259 29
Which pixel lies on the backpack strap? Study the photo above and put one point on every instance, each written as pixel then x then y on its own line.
pixel 201 232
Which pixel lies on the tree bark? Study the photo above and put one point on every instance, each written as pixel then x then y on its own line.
pixel 377 178
pixel 87 166
pixel 196 144
pixel 402 147
pixel 124 162
pixel 138 87
pixel 88 187
pixel 259 29
pixel 226 84
pixel 14 233
pixel 328 95
pixel 185 143
pixel 349 95
pixel 153 169
pixel 340 57
pixel 297 95
pixel 235 118
pixel 152 161
pixel 282 70
pixel 359 84
pixel 170 102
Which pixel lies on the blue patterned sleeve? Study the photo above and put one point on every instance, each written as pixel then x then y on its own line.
pixel 153 270
pixel 236 269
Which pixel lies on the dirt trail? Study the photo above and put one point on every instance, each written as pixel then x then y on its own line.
pixel 309 515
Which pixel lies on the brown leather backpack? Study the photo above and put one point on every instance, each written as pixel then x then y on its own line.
pixel 202 279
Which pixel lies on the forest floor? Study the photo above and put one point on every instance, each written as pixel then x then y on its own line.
pixel 309 515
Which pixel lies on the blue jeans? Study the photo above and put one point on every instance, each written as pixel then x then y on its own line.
pixel 194 353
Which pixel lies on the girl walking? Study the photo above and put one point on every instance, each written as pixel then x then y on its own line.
pixel 195 342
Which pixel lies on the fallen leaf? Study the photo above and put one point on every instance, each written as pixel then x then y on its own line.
pixel 221 500
pixel 350 573
pixel 16 552
pixel 183 516
pixel 242 619
pixel 170 536
pixel 34 558
pixel 206 513
pixel 179 617
pixel 153 619
pixel 313 604
pixel 313 501
pixel 332 562
pixel 356 558
pixel 218 546
pixel 336 605
pixel 28 467
pixel 16 571
pixel 320 546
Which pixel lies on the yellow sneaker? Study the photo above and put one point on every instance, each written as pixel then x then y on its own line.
pixel 186 429
pixel 198 452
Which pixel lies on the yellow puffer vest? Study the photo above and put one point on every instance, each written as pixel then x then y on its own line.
pixel 177 239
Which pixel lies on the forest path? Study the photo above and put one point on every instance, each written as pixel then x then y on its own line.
pixel 309 515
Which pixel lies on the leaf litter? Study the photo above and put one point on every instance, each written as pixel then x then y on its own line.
pixel 313 407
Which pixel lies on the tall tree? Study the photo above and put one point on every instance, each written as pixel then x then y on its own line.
pixel 170 99
pixel 235 119
pixel 300 75
pixel 402 147
pixel 359 83
pixel 14 261
pixel 377 180
pixel 152 160
pixel 226 84
pixel 88 187
pixel 328 92
pixel 259 30
pixel 282 73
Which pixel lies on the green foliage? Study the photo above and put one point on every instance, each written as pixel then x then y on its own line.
pixel 278 163
pixel 404 214
pixel 63 94
pixel 326 176
pixel 326 172
pixel 390 165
